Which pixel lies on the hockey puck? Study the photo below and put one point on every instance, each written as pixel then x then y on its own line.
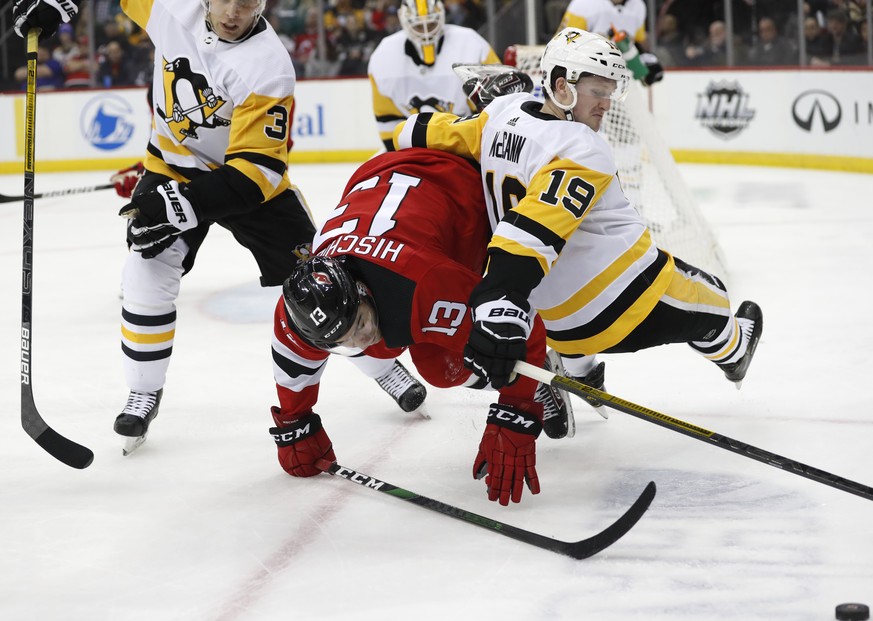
pixel 853 612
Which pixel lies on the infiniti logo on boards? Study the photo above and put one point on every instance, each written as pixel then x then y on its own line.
pixel 816 105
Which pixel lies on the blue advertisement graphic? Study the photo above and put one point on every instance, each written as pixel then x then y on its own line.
pixel 106 122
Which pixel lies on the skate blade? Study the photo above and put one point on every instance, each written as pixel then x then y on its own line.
pixel 421 411
pixel 603 411
pixel 131 444
pixel 571 423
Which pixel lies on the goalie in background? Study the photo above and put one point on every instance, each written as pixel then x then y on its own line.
pixel 396 262
pixel 410 71
pixel 566 241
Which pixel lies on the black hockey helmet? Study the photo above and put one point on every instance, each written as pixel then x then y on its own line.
pixel 322 300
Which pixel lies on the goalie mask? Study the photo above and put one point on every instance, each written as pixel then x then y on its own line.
pixel 583 53
pixel 423 21
pixel 322 300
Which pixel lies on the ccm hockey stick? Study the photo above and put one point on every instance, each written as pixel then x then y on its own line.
pixel 698 433
pixel 57 445
pixel 577 549
pixel 54 193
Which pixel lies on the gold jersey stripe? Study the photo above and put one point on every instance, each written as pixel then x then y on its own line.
pixel 138 11
pixel 597 286
pixel 623 325
pixel 148 339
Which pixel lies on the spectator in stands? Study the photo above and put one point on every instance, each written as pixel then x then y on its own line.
pixel 671 46
pixel 771 49
pixel 354 46
pixel 844 44
pixel 713 51
pixel 817 50
pixel 49 73
pixel 73 57
pixel 117 67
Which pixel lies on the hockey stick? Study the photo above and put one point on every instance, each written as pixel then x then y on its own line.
pixel 698 433
pixel 54 193
pixel 577 549
pixel 57 445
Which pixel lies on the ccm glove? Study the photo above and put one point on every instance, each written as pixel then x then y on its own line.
pixel 498 337
pixel 304 448
pixel 507 453
pixel 125 180
pixel 157 217
pixel 44 14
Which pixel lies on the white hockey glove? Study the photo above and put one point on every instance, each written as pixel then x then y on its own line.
pixel 44 14
pixel 157 218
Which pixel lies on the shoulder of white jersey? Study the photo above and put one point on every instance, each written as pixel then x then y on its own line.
pixel 586 8
pixel 390 45
pixel 275 78
pixel 555 139
pixel 455 34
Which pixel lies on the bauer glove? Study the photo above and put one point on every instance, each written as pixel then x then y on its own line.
pixel 44 14
pixel 507 453
pixel 157 218
pixel 304 448
pixel 501 325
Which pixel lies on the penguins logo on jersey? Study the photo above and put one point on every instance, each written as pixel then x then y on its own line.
pixel 431 104
pixel 190 99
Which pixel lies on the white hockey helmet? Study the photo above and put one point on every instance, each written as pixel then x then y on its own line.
pixel 581 52
pixel 259 6
pixel 423 22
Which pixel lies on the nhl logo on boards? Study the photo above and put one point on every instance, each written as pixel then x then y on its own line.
pixel 724 109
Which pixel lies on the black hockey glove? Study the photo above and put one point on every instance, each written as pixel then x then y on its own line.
pixel 656 71
pixel 44 14
pixel 501 326
pixel 157 218
pixel 482 91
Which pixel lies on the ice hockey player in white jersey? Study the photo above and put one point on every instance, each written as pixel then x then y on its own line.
pixel 566 241
pixel 411 70
pixel 223 90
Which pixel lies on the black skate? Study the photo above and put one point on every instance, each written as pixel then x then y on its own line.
pixel 595 379
pixel 558 421
pixel 134 420
pixel 751 321
pixel 405 389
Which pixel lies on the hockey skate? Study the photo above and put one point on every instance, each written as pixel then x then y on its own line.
pixel 594 378
pixel 751 321
pixel 134 420
pixel 558 421
pixel 407 391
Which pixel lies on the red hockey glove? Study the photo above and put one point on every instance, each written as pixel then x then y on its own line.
pixel 304 448
pixel 507 453
pixel 125 180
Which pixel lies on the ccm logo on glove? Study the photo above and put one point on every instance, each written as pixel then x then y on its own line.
pixel 514 420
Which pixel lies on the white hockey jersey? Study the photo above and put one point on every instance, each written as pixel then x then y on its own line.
pixel 215 102
pixel 553 196
pixel 402 85
pixel 599 16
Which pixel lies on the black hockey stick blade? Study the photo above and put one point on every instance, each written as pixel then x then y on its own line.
pixel 57 445
pixel 54 193
pixel 577 549
pixel 698 433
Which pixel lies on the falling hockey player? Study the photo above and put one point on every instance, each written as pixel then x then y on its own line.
pixel 396 262
pixel 566 242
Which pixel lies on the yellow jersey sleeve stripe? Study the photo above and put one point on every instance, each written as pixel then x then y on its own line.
pixel 138 10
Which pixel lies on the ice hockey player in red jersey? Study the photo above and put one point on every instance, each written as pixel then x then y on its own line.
pixel 395 264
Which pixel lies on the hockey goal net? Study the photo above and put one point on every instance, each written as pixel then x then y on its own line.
pixel 649 175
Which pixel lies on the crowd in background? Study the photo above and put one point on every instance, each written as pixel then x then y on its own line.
pixel 689 33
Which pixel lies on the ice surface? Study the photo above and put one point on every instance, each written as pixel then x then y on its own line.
pixel 201 523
